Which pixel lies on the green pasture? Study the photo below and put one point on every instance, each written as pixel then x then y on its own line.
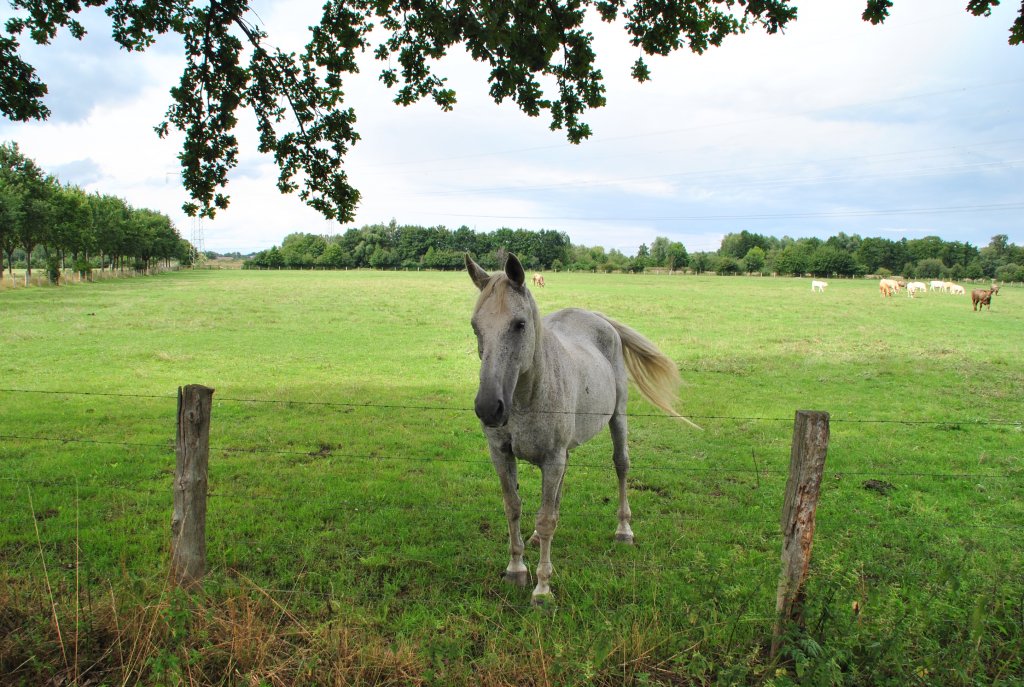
pixel 355 526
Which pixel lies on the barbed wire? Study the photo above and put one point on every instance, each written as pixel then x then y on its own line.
pixel 461 409
pixel 325 452
pixel 572 512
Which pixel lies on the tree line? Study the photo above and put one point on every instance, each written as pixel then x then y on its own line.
pixel 846 255
pixel 46 223
pixel 391 246
pixel 394 246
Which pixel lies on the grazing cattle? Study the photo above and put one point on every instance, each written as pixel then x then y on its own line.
pixel 817 285
pixel 915 286
pixel 888 287
pixel 981 297
pixel 538 279
pixel 955 289
pixel 548 385
pixel 937 285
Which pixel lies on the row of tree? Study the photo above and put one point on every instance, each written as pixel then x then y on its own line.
pixel 392 246
pixel 44 222
pixel 850 256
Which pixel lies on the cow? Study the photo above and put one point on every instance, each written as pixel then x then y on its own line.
pixel 982 297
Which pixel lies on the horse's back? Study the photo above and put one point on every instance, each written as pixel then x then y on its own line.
pixel 584 330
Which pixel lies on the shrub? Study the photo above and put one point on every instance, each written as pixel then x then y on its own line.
pixel 1010 272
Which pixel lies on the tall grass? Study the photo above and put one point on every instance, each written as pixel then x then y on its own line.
pixel 355 526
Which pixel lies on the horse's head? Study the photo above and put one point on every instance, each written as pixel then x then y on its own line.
pixel 507 327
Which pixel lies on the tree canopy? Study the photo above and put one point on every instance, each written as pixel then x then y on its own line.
pixel 540 55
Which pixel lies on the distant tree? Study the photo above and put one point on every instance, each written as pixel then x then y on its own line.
pixel 974 270
pixel 73 230
pixel 643 257
pixel 846 243
pixel 755 259
pixel 1010 272
pixel 930 268
pixel 676 256
pixel 827 261
pixel 37 219
pixel 27 196
pixel 300 250
pixel 924 248
pixel 702 262
pixel 109 219
pixel 659 251
pixel 793 259
pixel 727 264
pixel 11 215
pixel 738 245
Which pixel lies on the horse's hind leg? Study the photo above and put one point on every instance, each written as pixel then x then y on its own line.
pixel 505 465
pixel 620 455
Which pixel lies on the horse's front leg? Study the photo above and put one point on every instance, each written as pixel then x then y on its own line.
pixel 505 465
pixel 552 474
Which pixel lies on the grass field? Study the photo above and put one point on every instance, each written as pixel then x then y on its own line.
pixel 355 527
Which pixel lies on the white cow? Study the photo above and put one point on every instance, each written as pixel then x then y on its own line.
pixel 915 286
pixel 817 285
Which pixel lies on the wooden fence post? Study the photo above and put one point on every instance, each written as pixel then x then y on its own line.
pixel 188 523
pixel 806 465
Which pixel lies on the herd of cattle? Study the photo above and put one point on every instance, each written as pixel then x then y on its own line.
pixel 890 287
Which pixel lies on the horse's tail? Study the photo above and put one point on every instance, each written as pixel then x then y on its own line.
pixel 653 372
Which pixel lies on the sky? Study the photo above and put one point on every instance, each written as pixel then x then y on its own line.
pixel 908 129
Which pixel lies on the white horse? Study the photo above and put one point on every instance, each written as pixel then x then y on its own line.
pixel 547 386
pixel 817 285
pixel 956 289
pixel 937 285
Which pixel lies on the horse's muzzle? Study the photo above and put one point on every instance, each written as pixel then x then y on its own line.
pixel 493 412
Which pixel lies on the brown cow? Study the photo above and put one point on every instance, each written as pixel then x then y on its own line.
pixel 981 297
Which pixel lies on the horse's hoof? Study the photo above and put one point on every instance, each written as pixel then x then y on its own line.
pixel 519 579
pixel 544 602
pixel 624 538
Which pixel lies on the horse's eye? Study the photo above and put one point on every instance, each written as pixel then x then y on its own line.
pixel 520 325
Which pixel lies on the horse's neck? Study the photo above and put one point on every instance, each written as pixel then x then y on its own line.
pixel 532 384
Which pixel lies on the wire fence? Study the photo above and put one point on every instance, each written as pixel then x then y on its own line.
pixel 747 520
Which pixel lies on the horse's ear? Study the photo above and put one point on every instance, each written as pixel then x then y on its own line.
pixel 514 270
pixel 476 273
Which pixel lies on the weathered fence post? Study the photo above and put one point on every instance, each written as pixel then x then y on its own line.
pixel 806 465
pixel 188 523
